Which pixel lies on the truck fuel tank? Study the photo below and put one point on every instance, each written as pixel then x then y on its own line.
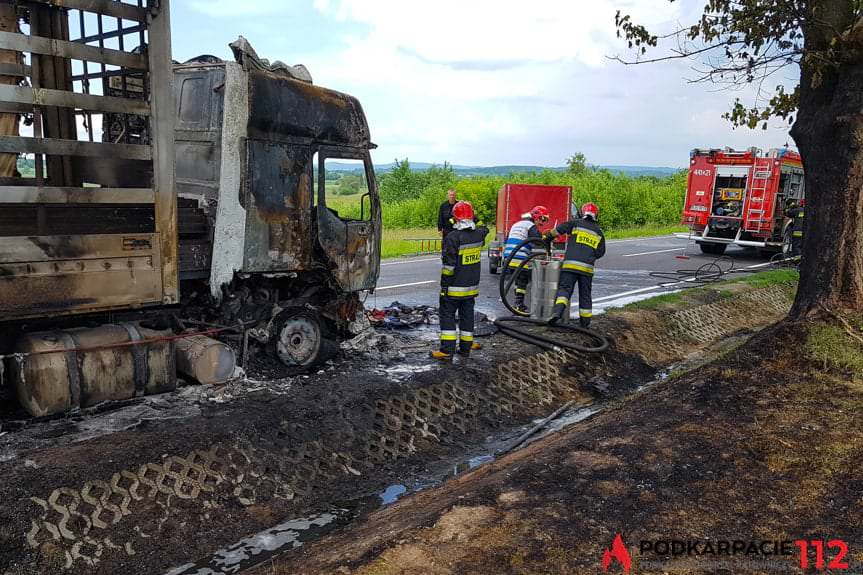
pixel 205 359
pixel 63 370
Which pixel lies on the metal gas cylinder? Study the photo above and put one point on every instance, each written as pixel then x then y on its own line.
pixel 62 370
pixel 205 359
pixel 543 288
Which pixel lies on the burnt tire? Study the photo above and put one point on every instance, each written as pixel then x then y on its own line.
pixel 299 339
pixel 712 249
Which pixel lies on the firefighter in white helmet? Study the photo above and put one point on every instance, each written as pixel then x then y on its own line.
pixel 526 227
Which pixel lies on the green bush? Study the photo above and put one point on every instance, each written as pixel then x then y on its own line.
pixel 411 198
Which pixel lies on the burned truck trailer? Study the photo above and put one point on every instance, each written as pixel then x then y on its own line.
pixel 203 201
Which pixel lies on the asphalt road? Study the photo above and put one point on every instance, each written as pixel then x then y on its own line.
pixel 622 276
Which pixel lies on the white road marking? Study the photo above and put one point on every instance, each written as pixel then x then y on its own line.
pixel 667 285
pixel 410 261
pixel 647 238
pixel 626 293
pixel 406 285
pixel 653 252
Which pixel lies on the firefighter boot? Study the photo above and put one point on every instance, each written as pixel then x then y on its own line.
pixel 557 313
pixel 465 352
pixel 584 322
pixel 519 303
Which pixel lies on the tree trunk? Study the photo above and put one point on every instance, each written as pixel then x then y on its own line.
pixel 829 133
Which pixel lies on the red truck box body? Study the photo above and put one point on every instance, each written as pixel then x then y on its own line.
pixel 514 200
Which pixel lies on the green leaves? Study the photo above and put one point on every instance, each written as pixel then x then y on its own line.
pixel 739 42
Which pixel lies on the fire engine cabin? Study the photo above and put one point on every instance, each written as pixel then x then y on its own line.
pixel 739 197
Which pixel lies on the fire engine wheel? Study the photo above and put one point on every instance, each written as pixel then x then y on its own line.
pixel 299 338
pixel 712 249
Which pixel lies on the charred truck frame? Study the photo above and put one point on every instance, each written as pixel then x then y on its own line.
pixel 738 197
pixel 198 201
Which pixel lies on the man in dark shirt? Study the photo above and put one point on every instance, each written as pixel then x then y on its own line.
pixel 444 216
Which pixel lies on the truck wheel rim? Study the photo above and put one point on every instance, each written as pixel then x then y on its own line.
pixel 299 341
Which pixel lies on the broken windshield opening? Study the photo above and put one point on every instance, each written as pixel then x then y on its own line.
pixel 343 188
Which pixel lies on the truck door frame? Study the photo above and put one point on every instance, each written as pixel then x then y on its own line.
pixel 339 236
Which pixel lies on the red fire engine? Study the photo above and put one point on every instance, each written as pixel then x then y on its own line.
pixel 739 197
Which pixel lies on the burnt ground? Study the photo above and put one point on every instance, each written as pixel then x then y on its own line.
pixel 763 443
pixel 224 469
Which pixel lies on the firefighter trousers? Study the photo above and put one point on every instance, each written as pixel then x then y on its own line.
pixel 565 286
pixel 521 283
pixel 796 245
pixel 449 308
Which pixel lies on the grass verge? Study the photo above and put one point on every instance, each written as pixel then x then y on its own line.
pixel 756 280
pixel 395 242
pixel 643 232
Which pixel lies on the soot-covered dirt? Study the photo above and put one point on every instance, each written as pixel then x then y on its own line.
pixel 762 444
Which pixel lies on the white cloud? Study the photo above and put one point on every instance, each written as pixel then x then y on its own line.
pixel 487 82
pixel 223 8
pixel 496 30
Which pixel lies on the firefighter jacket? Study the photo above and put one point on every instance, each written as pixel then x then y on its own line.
pixel 520 231
pixel 461 271
pixel 796 215
pixel 585 244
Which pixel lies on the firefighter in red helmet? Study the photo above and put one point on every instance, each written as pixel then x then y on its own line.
pixel 526 227
pixel 585 245
pixel 459 283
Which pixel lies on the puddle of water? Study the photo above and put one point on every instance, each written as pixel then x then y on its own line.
pixel 258 548
pixel 403 372
pixel 392 493
pixel 566 419
pixel 471 463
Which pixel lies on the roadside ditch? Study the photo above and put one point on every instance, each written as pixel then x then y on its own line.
pixel 290 460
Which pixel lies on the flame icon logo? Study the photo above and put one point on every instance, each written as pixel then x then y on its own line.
pixel 617 553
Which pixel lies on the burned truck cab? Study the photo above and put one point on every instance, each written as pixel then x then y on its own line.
pixel 254 146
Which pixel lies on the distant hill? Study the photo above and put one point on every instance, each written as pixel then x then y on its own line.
pixel 633 171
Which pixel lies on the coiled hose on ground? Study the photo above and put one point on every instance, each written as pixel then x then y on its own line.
pixel 545 340
pixel 718 269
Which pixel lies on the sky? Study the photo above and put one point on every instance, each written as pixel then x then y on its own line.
pixel 488 82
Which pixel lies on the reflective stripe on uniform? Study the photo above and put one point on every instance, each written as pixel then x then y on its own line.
pixel 585 312
pixel 448 335
pixel 577 266
pixel 462 291
pixel 520 290
pixel 469 246
pixel 561 300
pixel 797 234
pixel 466 336
pixel 447 270
pixel 588 232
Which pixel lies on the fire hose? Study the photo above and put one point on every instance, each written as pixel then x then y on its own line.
pixel 717 270
pixel 599 342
